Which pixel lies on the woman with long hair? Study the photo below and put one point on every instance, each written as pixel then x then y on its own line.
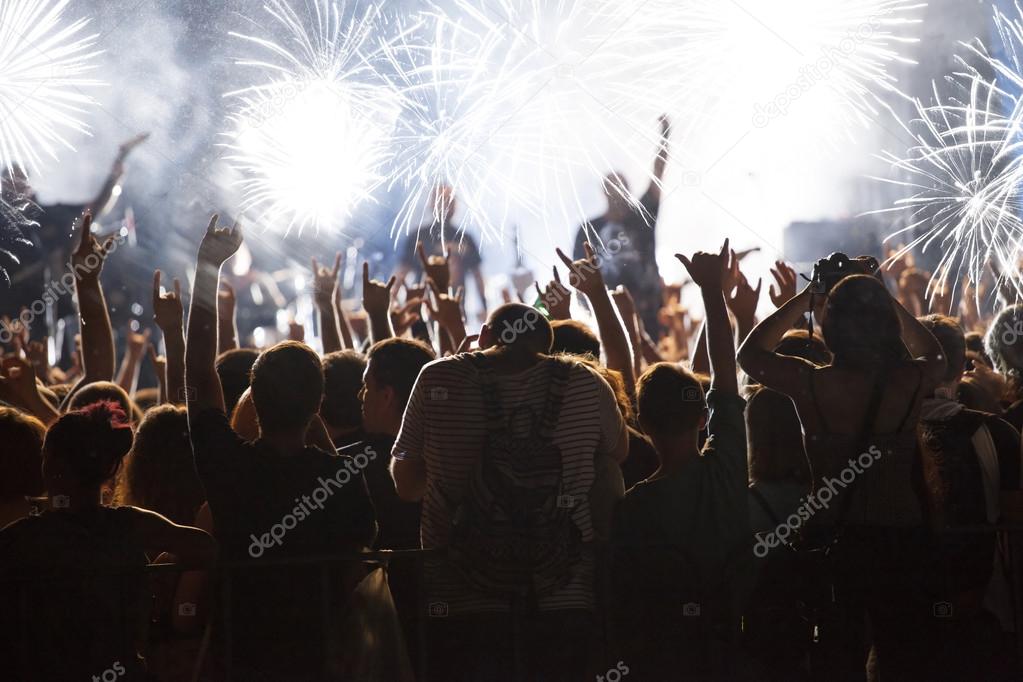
pixel 859 415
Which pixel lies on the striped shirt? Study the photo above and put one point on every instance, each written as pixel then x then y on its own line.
pixel 445 426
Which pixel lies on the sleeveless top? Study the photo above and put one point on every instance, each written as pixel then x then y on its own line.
pixel 873 478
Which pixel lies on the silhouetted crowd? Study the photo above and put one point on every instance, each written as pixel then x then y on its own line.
pixel 602 483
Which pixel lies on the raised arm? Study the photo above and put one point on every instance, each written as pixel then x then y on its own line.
pixel 168 313
pixel 376 300
pixel 134 346
pixel 227 328
pixel 98 358
pixel 202 385
pixel 707 270
pixel 100 204
pixel 922 346
pixel 447 311
pixel 661 160
pixel 324 292
pixel 586 278
pixel 756 354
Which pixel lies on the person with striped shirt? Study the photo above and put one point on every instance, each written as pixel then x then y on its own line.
pixel 443 435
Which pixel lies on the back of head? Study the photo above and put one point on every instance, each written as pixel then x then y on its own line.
pixel 287 387
pixel 159 473
pixel 520 328
pixel 953 344
pixel 1004 342
pixel 572 336
pixel 106 391
pixel 21 462
pixel 234 367
pixel 396 363
pixel 670 400
pixel 861 325
pixel 342 381
pixel 800 344
pixel 90 442
pixel 776 449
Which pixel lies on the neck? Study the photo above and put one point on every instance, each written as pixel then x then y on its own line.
pixel 675 452
pixel 509 361
pixel 285 443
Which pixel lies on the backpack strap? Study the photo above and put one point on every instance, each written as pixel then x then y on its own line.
pixel 491 392
pixel 555 396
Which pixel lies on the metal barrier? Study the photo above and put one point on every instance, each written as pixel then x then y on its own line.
pixel 1010 541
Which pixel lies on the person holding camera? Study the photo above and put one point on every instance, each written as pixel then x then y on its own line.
pixel 859 415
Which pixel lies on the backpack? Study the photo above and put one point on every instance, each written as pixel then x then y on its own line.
pixel 956 499
pixel 513 535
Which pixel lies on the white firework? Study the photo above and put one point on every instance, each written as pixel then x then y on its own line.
pixel 309 138
pixel 965 172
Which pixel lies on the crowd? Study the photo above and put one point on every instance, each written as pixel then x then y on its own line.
pixel 600 484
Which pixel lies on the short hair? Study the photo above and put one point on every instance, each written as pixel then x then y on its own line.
pixel 21 470
pixel 1004 342
pixel 397 363
pixel 521 327
pixel 234 367
pixel 953 343
pixel 573 336
pixel 159 473
pixel 342 381
pixel 106 391
pixel 91 441
pixel 146 399
pixel 287 386
pixel 670 399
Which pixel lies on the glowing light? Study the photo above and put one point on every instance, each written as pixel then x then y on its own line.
pixel 44 59
pixel 44 62
pixel 965 170
pixel 518 104
pixel 309 140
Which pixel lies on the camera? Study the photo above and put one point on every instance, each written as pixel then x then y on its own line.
pixel 186 394
pixel 438 393
pixel 186 609
pixel 691 609
pixel 61 501
pixel 438 609
pixel 827 272
pixel 942 609
pixel 566 502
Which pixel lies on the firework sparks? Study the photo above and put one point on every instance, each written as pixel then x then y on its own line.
pixel 44 62
pixel 515 105
pixel 965 171
pixel 310 139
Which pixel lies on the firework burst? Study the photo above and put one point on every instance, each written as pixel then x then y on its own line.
pixel 309 139
pixel 965 171
pixel 515 104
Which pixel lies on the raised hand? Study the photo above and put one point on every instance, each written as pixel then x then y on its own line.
pixel 296 332
pixel 219 244
pixel 376 295
pixel 87 259
pixel 416 291
pixel 446 309
pixel 159 363
pixel 136 343
pixel 405 315
pixel 785 283
pixel 435 267
pixel 743 302
pixel 325 280
pixel 708 270
pixel 556 297
pixel 584 274
pixel 168 312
